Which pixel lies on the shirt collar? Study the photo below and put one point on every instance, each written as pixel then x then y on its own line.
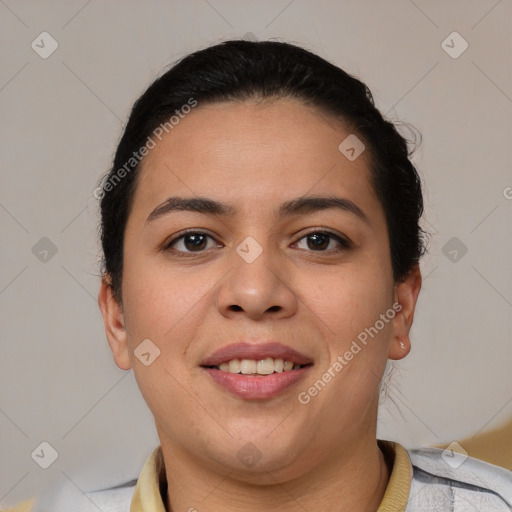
pixel 151 486
pixel 148 492
pixel 397 492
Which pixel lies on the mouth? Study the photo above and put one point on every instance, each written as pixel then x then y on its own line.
pixel 256 372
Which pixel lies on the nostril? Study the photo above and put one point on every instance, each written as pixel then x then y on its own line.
pixel 236 307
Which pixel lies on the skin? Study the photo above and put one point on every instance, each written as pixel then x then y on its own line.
pixel 254 156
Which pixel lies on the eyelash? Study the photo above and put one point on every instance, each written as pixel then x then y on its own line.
pixel 344 243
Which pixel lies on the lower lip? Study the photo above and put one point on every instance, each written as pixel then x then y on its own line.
pixel 257 387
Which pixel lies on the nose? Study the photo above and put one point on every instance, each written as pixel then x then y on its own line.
pixel 257 288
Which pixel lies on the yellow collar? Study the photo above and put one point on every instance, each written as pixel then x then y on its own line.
pixel 397 492
pixel 147 496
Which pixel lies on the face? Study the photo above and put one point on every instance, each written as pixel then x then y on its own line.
pixel 287 264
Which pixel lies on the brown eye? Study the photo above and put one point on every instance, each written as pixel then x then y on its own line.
pixel 190 242
pixel 318 241
pixel 323 241
pixel 195 242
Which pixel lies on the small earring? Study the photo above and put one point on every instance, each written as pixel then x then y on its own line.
pixel 402 345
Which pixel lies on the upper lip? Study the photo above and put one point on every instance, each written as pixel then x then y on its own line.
pixel 256 351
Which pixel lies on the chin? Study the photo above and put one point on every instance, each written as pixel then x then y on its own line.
pixel 252 459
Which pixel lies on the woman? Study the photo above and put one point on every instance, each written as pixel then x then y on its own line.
pixel 261 266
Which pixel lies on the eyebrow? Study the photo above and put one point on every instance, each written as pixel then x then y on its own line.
pixel 298 206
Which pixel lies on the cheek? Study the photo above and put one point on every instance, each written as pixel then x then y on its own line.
pixel 165 307
pixel 348 299
pixel 348 378
pixel 162 304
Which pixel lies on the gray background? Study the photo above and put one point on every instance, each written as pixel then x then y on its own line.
pixel 61 119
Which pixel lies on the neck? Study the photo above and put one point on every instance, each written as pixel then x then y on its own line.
pixel 353 479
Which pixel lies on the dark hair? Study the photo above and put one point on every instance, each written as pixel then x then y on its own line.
pixel 240 70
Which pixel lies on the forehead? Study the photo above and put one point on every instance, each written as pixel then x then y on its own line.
pixel 253 154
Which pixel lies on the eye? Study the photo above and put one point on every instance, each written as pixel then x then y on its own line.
pixel 189 242
pixel 323 241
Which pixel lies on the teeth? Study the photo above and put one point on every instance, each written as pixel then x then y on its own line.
pixel 265 366
pixel 248 366
pixel 234 366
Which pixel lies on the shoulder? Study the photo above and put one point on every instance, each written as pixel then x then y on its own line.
pixel 69 498
pixel 449 481
pixel 87 493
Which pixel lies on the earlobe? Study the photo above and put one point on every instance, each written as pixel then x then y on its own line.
pixel 113 319
pixel 406 295
pixel 399 348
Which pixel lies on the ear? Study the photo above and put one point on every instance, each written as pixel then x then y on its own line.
pixel 113 318
pixel 406 295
